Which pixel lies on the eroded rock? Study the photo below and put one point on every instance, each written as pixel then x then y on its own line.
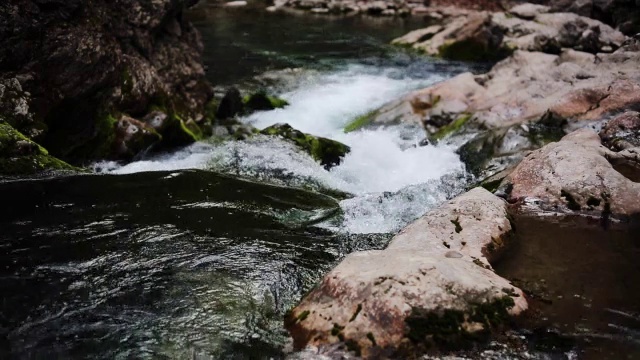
pixel 433 286
pixel 577 175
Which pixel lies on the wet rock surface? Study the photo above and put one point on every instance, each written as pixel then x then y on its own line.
pixel 75 67
pixel 432 288
pixel 326 151
pixel 524 102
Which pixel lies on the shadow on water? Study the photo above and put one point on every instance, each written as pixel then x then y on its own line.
pixel 582 283
pixel 157 265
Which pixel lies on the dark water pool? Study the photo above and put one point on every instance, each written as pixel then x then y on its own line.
pixel 184 265
pixel 583 284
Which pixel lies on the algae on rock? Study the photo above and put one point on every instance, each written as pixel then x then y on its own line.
pixel 328 152
pixel 21 156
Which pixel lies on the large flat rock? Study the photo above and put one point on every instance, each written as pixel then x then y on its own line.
pixel 432 287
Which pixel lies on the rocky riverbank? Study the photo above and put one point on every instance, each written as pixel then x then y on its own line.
pixel 621 14
pixel 553 132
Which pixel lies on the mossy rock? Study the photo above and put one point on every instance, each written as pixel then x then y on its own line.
pixel 477 152
pixel 328 152
pixel 453 127
pixel 260 101
pixel 21 156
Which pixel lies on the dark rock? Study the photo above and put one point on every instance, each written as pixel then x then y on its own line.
pixel 73 64
pixel 260 101
pixel 230 105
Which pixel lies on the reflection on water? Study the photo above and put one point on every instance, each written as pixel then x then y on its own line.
pixel 156 265
pixel 583 285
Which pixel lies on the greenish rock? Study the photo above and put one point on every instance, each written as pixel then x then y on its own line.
pixel 21 156
pixel 453 127
pixel 478 151
pixel 260 101
pixel 328 152
pixel 360 122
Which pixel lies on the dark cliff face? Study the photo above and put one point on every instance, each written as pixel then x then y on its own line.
pixel 70 70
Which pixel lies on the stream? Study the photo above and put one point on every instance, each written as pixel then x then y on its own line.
pixel 198 253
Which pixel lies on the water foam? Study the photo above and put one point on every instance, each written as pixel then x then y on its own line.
pixel 392 178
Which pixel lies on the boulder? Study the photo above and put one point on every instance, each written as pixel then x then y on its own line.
pixel 328 152
pixel 622 132
pixel 473 38
pixel 432 288
pixel 260 101
pixel 231 105
pixel 577 175
pixel 575 86
pixel 77 63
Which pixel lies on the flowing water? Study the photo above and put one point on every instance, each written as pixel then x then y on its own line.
pixel 198 253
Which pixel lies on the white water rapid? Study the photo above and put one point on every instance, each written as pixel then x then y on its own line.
pixel 393 180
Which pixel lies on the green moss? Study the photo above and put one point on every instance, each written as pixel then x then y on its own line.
pixel 21 156
pixel 456 223
pixel 303 315
pixel 444 329
pixel 355 315
pixel 453 127
pixel 261 101
pixel 328 152
pixel 360 122
pixel 572 204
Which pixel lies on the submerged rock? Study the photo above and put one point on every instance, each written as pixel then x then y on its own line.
pixel 260 101
pixel 328 152
pixel 577 175
pixel 432 288
pixel 21 156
